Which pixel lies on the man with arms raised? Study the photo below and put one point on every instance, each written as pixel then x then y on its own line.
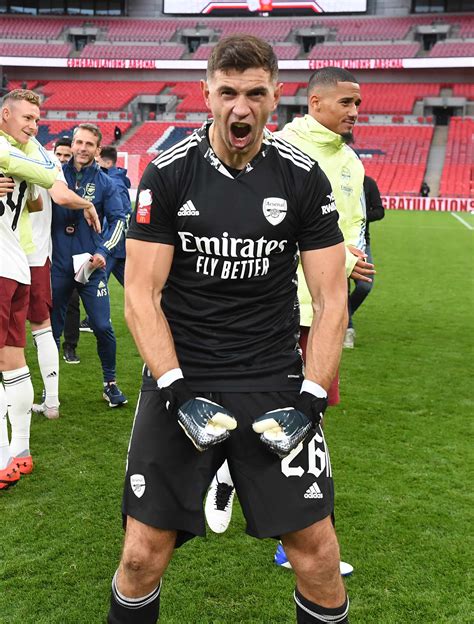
pixel 210 295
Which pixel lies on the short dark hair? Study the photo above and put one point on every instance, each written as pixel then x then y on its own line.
pixel 63 141
pixel 241 52
pixel 92 128
pixel 330 76
pixel 109 152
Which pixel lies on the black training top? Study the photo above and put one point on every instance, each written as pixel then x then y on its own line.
pixel 231 296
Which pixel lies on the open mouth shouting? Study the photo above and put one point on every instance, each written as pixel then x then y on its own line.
pixel 240 134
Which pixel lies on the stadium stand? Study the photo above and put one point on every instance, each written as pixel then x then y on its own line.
pixel 457 179
pixel 274 30
pixel 44 28
pixel 292 88
pixel 56 50
pixel 375 28
pixel 466 25
pixel 398 156
pixel 397 164
pixel 149 137
pixel 464 90
pixel 83 95
pixel 166 51
pixel 397 50
pixel 203 52
pixel 452 48
pixel 129 30
pixel 49 131
pixel 19 84
pixel 287 52
pixel 396 98
pixel 190 93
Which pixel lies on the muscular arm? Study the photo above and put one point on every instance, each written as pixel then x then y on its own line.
pixel 62 195
pixel 146 272
pixel 327 282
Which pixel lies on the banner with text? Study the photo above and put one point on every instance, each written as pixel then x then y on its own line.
pixel 188 64
pixel 440 204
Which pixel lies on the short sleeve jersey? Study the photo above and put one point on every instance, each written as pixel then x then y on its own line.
pixel 231 295
pixel 13 260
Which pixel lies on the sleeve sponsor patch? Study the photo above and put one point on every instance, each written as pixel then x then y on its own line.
pixel 144 206
pixel 330 206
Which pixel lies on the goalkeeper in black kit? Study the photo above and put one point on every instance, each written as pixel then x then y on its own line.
pixel 211 301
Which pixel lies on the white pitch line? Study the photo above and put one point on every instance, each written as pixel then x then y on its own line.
pixel 468 225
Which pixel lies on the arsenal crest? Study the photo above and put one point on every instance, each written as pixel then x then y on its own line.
pixel 274 209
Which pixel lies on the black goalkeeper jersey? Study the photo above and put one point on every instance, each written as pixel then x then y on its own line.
pixel 231 296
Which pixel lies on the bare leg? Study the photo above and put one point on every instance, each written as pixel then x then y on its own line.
pixel 146 554
pixel 314 555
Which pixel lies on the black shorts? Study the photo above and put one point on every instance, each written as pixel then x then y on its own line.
pixel 167 478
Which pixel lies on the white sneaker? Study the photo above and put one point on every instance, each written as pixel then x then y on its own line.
pixel 50 412
pixel 349 338
pixel 218 507
pixel 346 568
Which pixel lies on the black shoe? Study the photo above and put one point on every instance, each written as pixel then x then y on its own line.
pixel 70 356
pixel 84 326
pixel 113 395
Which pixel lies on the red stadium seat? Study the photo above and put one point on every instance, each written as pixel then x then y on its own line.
pixel 457 176
pixel 400 168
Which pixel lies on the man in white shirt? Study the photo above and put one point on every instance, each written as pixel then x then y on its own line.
pixel 26 162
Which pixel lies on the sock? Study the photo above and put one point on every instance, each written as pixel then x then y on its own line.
pixel 5 455
pixel 48 360
pixel 19 392
pixel 223 474
pixel 125 610
pixel 308 612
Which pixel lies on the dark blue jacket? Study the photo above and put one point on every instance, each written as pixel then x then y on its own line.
pixel 119 176
pixel 93 184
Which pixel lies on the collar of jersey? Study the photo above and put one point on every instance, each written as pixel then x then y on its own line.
pixel 310 129
pixel 84 171
pixel 12 141
pixel 212 158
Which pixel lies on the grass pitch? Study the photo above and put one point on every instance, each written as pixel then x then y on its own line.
pixel 401 452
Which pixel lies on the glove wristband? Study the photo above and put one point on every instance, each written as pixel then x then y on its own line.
pixel 313 388
pixel 169 377
pixel 176 395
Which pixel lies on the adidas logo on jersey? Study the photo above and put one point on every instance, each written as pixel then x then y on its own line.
pixel 313 491
pixel 188 210
pixel 101 284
